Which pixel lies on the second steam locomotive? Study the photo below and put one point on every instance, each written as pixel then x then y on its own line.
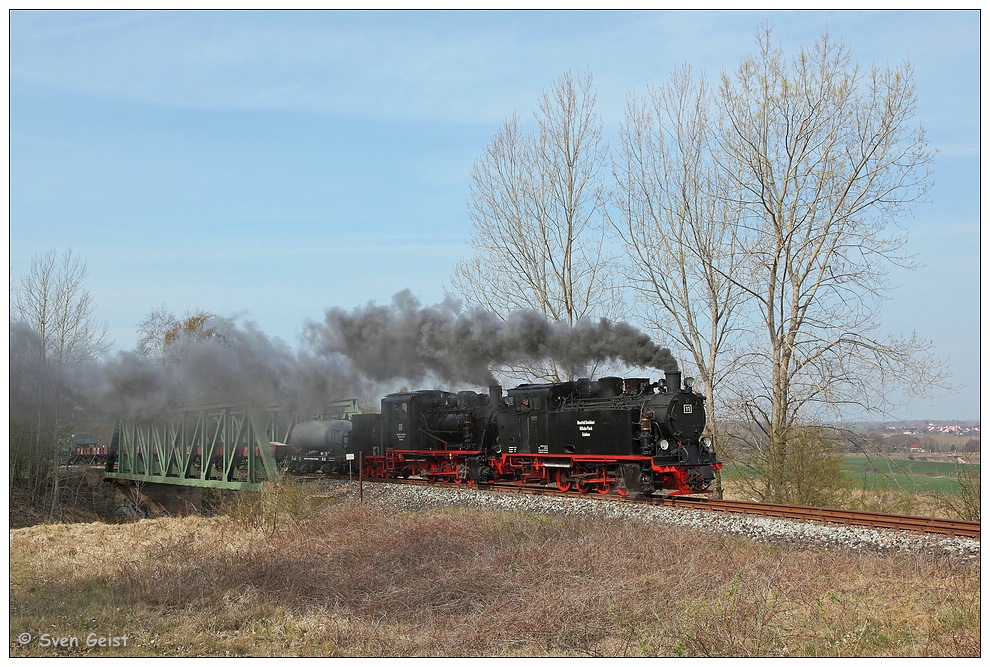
pixel 627 435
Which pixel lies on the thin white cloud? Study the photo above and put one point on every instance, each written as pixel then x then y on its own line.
pixel 427 65
pixel 377 68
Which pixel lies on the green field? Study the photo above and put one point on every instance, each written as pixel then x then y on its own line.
pixel 871 473
pixel 877 473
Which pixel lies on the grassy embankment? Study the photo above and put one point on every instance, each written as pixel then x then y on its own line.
pixel 354 580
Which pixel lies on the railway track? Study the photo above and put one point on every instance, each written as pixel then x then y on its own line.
pixel 949 527
pixel 954 528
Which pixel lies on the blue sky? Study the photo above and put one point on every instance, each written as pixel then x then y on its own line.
pixel 272 165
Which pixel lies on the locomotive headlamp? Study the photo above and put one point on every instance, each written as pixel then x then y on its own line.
pixel 688 382
pixel 706 442
pixel 664 445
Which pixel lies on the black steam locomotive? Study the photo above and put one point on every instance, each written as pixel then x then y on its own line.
pixel 629 435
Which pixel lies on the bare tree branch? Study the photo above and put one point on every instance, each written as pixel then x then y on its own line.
pixel 824 159
pixel 537 207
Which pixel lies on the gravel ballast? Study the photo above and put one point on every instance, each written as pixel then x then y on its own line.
pixel 767 530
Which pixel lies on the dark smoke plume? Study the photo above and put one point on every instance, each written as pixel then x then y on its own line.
pixel 237 363
pixel 411 341
pixel 350 354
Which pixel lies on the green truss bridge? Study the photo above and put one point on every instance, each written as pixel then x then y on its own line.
pixel 221 446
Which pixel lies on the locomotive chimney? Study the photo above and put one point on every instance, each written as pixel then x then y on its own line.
pixel 495 394
pixel 673 380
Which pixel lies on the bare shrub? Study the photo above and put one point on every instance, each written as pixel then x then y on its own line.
pixel 885 501
pixel 965 505
pixel 285 499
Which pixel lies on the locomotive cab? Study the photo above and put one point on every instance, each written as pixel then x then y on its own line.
pixel 404 418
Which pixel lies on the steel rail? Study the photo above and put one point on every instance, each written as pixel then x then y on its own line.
pixel 952 527
pixel 928 525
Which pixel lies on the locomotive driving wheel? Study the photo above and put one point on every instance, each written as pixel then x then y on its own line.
pixel 563 482
pixel 603 488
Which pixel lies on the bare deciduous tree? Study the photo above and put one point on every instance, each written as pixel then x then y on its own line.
pixel 161 335
pixel 780 210
pixel 54 334
pixel 537 206
pixel 824 158
pixel 161 327
pixel 679 229
pixel 52 300
pixel 153 330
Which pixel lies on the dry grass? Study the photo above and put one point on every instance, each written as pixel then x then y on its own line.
pixel 352 580
pixel 885 501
